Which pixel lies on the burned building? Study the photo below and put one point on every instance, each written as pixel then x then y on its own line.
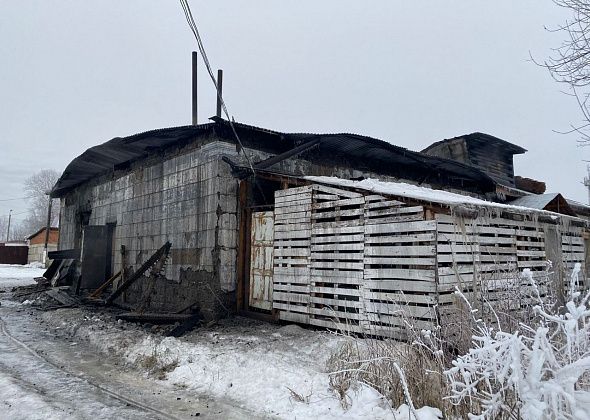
pixel 197 188
pixel 282 225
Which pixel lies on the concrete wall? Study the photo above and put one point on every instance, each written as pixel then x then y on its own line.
pixel 181 199
pixel 36 252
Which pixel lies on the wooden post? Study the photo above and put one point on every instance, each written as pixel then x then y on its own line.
pixel 241 272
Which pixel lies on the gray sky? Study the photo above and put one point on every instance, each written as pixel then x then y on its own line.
pixel 75 74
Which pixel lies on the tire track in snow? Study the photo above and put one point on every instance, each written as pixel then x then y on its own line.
pixel 121 398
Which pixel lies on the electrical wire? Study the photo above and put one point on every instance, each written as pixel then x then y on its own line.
pixel 193 26
pixel 16 199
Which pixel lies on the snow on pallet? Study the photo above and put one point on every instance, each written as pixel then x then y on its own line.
pixel 370 264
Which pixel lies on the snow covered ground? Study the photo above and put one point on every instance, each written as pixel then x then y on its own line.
pixel 19 275
pixel 270 370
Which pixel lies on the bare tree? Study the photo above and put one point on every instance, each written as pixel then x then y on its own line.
pixel 570 62
pixel 17 230
pixel 37 187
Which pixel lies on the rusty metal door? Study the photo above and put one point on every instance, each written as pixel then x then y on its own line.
pixel 261 253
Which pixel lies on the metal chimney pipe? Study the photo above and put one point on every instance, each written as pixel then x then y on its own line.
pixel 194 96
pixel 219 91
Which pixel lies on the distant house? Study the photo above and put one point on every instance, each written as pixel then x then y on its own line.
pixel 36 243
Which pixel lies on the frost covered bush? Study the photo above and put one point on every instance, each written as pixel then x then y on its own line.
pixel 519 357
pixel 537 371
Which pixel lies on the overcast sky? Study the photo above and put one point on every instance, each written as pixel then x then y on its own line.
pixel 75 74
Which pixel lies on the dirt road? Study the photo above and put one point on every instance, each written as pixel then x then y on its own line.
pixel 45 377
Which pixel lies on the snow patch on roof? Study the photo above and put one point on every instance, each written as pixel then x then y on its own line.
pixel 402 189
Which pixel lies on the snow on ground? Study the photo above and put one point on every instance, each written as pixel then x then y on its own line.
pixel 19 403
pixel 253 364
pixel 275 371
pixel 19 275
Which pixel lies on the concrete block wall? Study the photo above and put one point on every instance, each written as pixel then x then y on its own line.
pixel 182 199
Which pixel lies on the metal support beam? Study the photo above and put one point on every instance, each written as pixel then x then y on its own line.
pixel 285 155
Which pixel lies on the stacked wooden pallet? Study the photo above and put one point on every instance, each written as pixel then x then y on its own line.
pixel 572 246
pixel 291 262
pixel 399 276
pixel 368 264
pixel 337 244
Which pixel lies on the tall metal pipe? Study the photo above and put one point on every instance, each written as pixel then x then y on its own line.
pixel 194 90
pixel 219 91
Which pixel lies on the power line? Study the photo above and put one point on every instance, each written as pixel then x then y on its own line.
pixel 193 26
pixel 18 198
pixel 14 214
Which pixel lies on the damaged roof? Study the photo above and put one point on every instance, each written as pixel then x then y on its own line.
pixel 554 202
pixel 369 152
pixel 482 139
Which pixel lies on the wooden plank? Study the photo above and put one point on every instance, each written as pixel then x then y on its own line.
pixel 335 291
pixel 291 288
pixel 422 312
pixel 302 227
pixel 420 261
pixel 337 230
pixel 527 253
pixel 293 209
pixel 399 273
pixel 290 307
pixel 331 313
pixel 337 238
pixel 290 243
pixel 291 252
pixel 337 213
pixel 337 265
pixel 421 226
pixel 399 285
pixel 412 238
pixel 403 298
pixel 327 274
pixel 316 300
pixel 293 317
pixel 335 191
pixel 281 199
pixel 371 204
pixel 293 191
pixel 339 203
pixel 395 251
pixel 290 297
pixel 390 211
pixel 292 234
pixel 291 271
pixel 359 246
pixel 358 256
pixel 395 219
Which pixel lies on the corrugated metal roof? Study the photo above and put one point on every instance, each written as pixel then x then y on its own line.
pixel 106 157
pixel 535 201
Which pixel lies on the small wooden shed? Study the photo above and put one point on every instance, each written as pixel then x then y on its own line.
pixel 360 254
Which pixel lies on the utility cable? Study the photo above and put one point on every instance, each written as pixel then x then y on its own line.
pixel 17 198
pixel 193 26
